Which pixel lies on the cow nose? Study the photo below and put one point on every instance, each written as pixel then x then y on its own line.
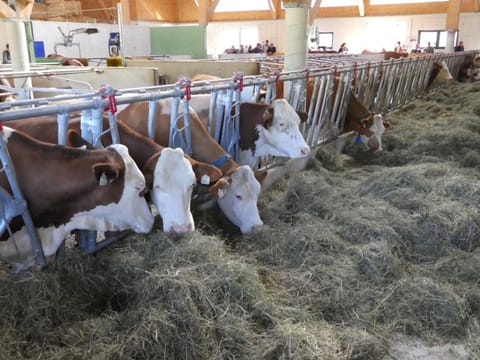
pixel 183 228
pixel 257 227
pixel 249 229
pixel 305 151
pixel 373 144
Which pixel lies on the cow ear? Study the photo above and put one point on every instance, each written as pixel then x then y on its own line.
pixel 74 139
pixel 260 175
pixel 202 169
pixel 105 173
pixel 387 125
pixel 219 189
pixel 148 169
pixel 268 116
pixel 303 116
pixel 365 122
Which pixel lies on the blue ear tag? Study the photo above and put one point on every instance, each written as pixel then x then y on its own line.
pixel 358 139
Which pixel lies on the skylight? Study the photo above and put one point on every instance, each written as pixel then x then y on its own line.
pixel 336 3
pixel 244 5
pixel 399 2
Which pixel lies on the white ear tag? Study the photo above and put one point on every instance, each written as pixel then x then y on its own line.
pixel 103 179
pixel 205 180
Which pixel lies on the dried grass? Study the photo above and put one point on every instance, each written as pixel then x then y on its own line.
pixel 349 256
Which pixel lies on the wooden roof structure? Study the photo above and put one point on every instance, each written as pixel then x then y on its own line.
pixel 203 11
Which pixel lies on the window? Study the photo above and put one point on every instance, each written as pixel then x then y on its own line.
pixel 400 2
pixel 437 38
pixel 244 5
pixel 336 3
pixel 238 36
pixel 319 39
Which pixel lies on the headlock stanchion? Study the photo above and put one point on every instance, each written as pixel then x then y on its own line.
pixel 180 136
pixel 380 85
pixel 12 206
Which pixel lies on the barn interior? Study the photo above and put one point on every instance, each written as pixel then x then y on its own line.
pixel 362 255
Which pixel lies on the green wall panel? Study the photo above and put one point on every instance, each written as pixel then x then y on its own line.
pixel 179 40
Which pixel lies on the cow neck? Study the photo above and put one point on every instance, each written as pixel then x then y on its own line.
pixel 140 147
pixel 251 115
pixel 228 167
pixel 357 114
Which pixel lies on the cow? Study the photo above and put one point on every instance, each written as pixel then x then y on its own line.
pixel 66 61
pixel 359 121
pixel 439 74
pixel 169 174
pixel 69 189
pixel 265 129
pixel 236 192
pixel 387 55
pixel 6 95
pixel 470 69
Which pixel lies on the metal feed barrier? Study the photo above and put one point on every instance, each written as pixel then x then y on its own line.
pixel 381 86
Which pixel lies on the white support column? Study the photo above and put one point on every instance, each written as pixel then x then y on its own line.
pixel 450 45
pixel 19 52
pixel 296 35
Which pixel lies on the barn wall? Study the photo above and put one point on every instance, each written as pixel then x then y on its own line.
pixel 179 40
pixel 171 70
pixel 358 32
pixel 136 41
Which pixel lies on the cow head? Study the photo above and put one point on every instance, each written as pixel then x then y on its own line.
pixel 475 75
pixel 237 197
pixel 440 74
pixel 172 181
pixel 371 132
pixel 131 212
pixel 279 134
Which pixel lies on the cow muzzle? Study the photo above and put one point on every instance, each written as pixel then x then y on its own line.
pixel 373 144
pixel 182 228
pixel 305 151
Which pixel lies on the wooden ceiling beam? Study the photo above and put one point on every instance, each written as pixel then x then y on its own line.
pixel 6 11
pixel 312 13
pixel 24 8
pixel 275 7
pixel 203 8
pixel 453 14
pixel 363 5
pixel 212 8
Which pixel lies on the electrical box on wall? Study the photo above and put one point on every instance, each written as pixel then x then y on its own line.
pixel 114 44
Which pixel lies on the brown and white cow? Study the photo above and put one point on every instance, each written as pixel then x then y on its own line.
pixel 439 74
pixel 359 121
pixel 67 189
pixel 169 174
pixel 236 192
pixel 264 129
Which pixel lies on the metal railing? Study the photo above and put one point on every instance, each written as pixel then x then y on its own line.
pixel 381 86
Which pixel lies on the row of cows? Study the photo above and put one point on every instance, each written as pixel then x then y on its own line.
pixel 80 187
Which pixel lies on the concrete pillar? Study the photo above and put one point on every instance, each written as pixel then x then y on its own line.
pixel 450 46
pixel 19 52
pixel 296 35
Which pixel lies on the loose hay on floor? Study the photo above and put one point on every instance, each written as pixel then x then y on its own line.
pixel 353 253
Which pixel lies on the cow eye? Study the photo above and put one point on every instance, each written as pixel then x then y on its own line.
pixel 282 124
pixel 239 197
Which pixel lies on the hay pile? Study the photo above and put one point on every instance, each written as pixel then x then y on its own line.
pixel 350 258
